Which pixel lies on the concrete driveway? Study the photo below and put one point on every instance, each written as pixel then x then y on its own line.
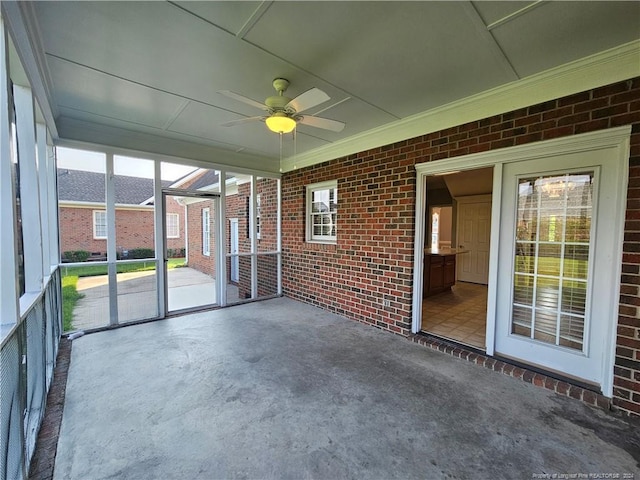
pixel 280 389
pixel 137 300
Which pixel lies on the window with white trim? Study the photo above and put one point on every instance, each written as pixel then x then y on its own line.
pixel 99 224
pixel 206 230
pixel 322 212
pixel 173 225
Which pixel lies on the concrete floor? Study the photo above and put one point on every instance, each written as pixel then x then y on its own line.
pixel 280 389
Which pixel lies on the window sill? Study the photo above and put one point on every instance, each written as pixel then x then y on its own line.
pixel 322 242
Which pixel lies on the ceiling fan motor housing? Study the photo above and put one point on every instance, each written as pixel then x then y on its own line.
pixel 277 103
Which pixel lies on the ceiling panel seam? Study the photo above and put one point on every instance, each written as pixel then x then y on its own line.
pixel 176 114
pixel 254 18
pixel 313 75
pixel 134 133
pixel 135 82
pixel 189 12
pixel 101 115
pixel 167 126
pixel 516 14
pixel 494 46
pixel 240 35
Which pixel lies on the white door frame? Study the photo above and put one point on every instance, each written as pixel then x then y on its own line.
pixel 614 138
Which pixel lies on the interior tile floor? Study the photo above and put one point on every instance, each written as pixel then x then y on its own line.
pixel 458 314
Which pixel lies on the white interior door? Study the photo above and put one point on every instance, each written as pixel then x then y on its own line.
pixel 233 228
pixel 474 235
pixel 557 231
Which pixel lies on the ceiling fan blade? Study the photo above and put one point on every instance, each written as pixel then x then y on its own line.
pixel 320 122
pixel 308 99
pixel 242 98
pixel 233 123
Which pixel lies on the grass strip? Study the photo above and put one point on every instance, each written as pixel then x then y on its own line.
pixel 70 297
pixel 94 270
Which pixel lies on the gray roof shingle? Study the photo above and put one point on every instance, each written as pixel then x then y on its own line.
pixel 83 186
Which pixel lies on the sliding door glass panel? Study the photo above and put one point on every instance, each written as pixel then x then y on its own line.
pixel 83 238
pixel 135 239
pixel 552 251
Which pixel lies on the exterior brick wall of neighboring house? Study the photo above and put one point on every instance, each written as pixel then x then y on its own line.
pixel 177 244
pixel 373 258
pixel 76 231
pixel 134 229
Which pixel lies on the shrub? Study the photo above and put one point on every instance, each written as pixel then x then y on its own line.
pixel 138 253
pixel 73 256
pixel 175 252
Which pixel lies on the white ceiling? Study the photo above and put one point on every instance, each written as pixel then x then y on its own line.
pixel 154 68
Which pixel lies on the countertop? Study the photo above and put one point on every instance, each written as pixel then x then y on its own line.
pixel 444 251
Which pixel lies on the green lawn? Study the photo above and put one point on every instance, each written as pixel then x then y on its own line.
pixel 70 275
pixel 93 270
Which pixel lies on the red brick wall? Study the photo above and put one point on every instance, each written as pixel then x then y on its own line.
pixel 175 207
pixel 76 231
pixel 237 206
pixel 195 258
pixel 373 258
pixel 134 229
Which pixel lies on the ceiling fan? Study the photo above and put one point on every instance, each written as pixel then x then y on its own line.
pixel 284 112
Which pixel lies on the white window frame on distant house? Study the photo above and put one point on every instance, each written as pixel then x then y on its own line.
pixel 312 217
pixel 97 225
pixel 206 232
pixel 173 225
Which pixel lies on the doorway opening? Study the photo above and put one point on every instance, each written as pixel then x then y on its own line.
pixel 193 284
pixel 456 257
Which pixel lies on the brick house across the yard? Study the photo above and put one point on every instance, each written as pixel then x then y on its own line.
pixel 190 222
pixel 83 217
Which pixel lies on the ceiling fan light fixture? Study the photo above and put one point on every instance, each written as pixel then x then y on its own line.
pixel 279 122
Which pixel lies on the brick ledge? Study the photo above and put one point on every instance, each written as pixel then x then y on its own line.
pixel 561 387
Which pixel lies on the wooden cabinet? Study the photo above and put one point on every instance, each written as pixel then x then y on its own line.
pixel 439 273
pixel 449 273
